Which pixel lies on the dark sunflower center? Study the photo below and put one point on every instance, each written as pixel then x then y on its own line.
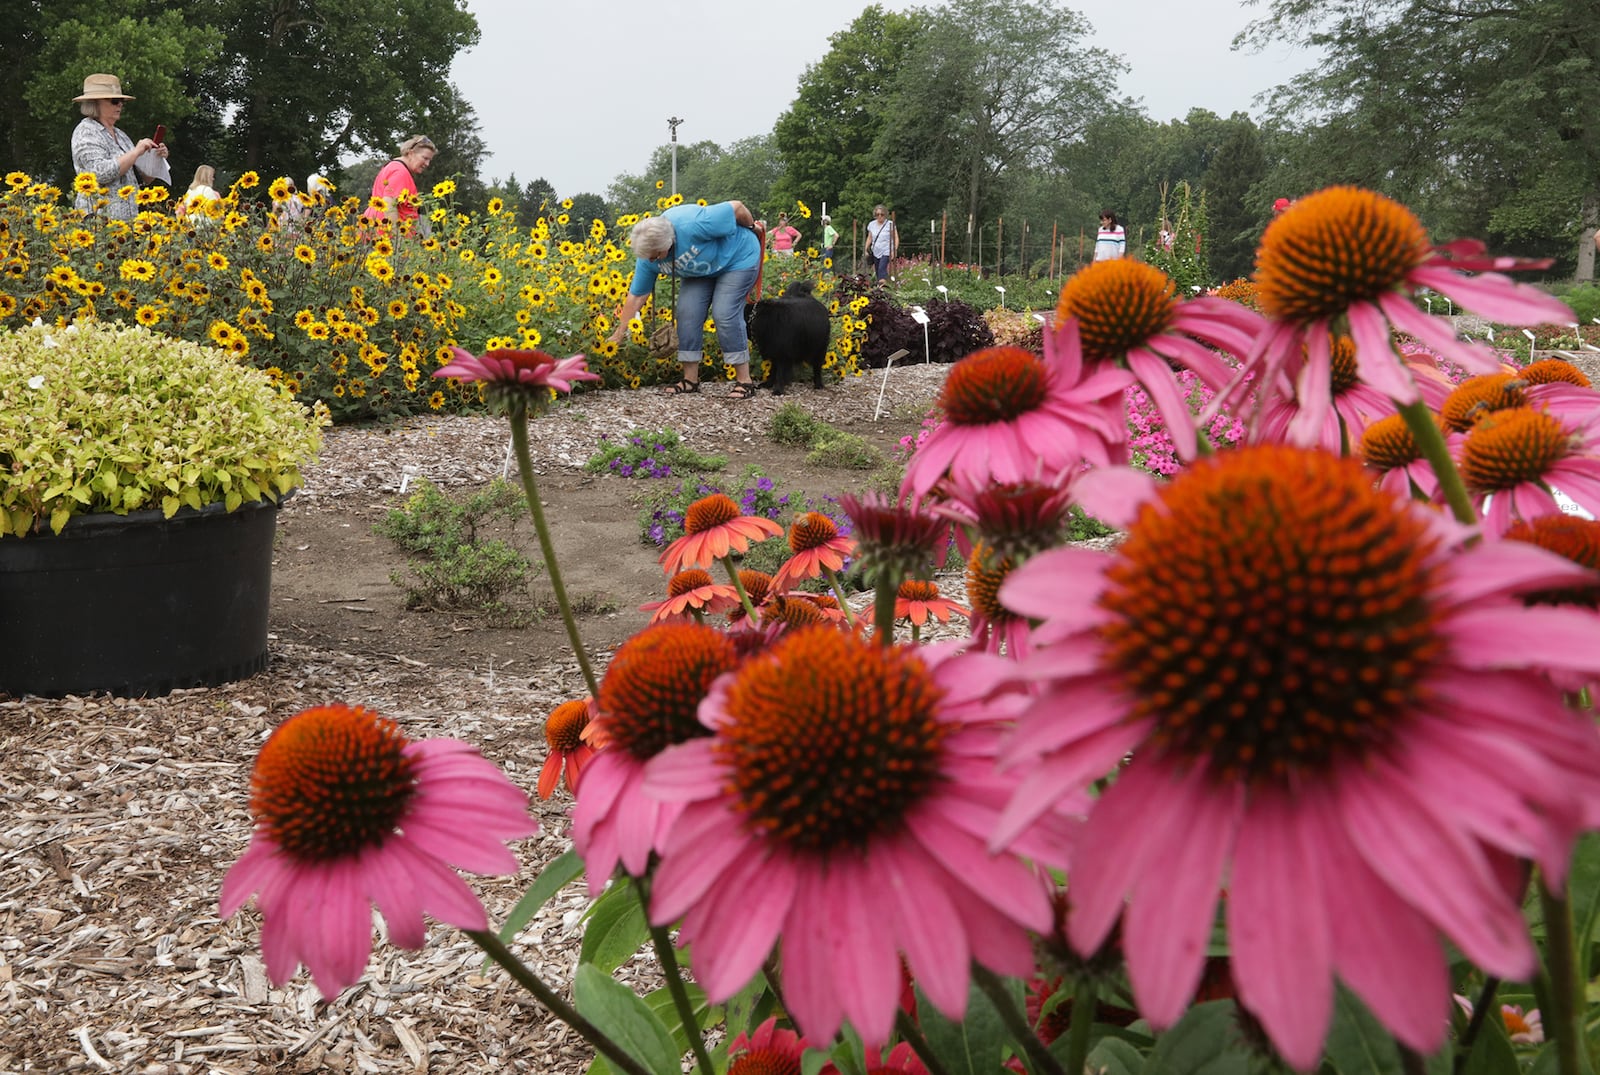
pixel 717 509
pixel 793 612
pixel 767 1061
pixel 563 729
pixel 985 572
pixel 1342 368
pixel 684 581
pixel 996 384
pixel 1553 371
pixel 1272 615
pixel 1335 248
pixel 330 782
pixel 1566 535
pixel 653 686
pixel 812 530
pixel 1388 444
pixel 833 739
pixel 1508 448
pixel 1478 396
pixel 1119 304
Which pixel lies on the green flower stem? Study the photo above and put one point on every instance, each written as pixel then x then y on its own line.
pixel 884 594
pixel 1040 1062
pixel 744 598
pixel 496 950
pixel 1425 431
pixel 680 996
pixel 912 1035
pixel 519 440
pixel 916 634
pixel 1411 1061
pixel 1475 1024
pixel 1084 1002
pixel 1564 1017
pixel 836 584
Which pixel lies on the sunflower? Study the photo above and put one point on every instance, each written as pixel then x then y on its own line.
pixel 217 261
pixel 137 269
pixel 8 305
pixel 317 330
pixel 436 401
pixel 495 206
pixel 444 188
pixel 264 244
pixel 305 255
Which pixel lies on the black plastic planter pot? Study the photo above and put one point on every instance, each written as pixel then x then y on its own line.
pixel 137 604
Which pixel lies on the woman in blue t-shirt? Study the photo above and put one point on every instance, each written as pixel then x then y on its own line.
pixel 714 252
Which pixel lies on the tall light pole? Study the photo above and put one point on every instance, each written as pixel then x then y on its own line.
pixel 672 125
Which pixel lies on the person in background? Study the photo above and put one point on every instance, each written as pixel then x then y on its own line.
pixel 396 185
pixel 201 198
pixel 714 251
pixel 883 241
pixel 1111 241
pixel 291 212
pixel 1280 205
pixel 784 237
pixel 830 236
pixel 1167 236
pixel 319 189
pixel 102 149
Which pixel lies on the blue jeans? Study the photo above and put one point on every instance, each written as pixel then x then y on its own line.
pixel 723 296
pixel 881 264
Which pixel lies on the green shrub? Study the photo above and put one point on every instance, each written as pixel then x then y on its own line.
pixel 652 453
pixel 97 418
pixel 793 425
pixel 456 567
pixel 843 451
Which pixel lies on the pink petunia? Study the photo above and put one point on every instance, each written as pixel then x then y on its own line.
pixel 349 813
pixel 1335 706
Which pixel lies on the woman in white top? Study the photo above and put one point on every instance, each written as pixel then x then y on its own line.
pixel 1111 241
pixel 201 198
pixel 100 148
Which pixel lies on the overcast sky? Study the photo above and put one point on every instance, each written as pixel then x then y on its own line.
pixel 580 93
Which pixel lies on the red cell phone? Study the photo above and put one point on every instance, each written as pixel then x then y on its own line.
pixel 161 134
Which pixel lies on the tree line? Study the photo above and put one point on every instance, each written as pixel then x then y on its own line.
pixel 1476 113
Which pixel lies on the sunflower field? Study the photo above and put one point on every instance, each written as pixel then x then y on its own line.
pixel 343 312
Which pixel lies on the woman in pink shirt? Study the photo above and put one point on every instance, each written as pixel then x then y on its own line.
pixel 399 177
pixel 783 237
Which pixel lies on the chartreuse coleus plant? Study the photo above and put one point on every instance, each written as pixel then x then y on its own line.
pixel 96 418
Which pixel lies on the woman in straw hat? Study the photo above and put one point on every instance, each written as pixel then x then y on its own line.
pixel 100 148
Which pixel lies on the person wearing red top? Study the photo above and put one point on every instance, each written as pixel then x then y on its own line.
pixel 784 237
pixel 396 184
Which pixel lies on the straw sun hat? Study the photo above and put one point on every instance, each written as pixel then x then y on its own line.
pixel 102 88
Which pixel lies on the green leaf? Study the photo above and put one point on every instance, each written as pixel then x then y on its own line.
pixel 974 1046
pixel 1583 890
pixel 1492 1053
pixel 625 1019
pixel 170 506
pixel 1205 1042
pixel 1357 1043
pixel 743 1008
pixel 616 928
pixel 557 874
pixel 660 1002
pixel 1115 1057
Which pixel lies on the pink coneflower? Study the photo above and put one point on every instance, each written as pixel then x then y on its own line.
pixel 1013 519
pixel 518 375
pixel 567 751
pixel 770 1050
pixel 1511 460
pixel 713 528
pixel 994 626
pixel 919 601
pixel 1330 700
pixel 1523 1028
pixel 350 813
pixel 1010 416
pixel 817 546
pixel 841 807
pixel 757 586
pixel 1354 406
pixel 1389 450
pixel 1128 311
pixel 689 592
pixel 1350 253
pixel 1478 397
pixel 894 534
pixel 647 703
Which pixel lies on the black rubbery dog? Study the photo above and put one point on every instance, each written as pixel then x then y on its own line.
pixel 788 330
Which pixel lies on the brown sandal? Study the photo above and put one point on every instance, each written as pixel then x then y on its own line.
pixel 684 387
pixel 743 390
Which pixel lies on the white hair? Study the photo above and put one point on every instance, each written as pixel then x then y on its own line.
pixel 652 238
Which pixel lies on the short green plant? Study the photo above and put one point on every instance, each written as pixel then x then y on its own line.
pixel 98 418
pixel 650 453
pixel 843 451
pixel 793 425
pixel 456 567
pixel 1081 526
